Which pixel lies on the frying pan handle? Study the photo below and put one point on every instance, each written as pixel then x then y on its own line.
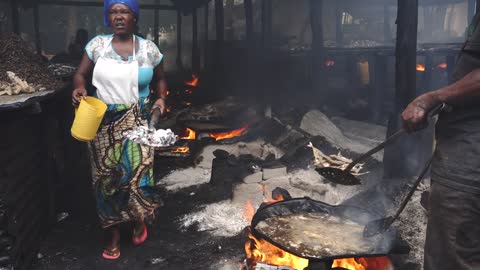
pixel 442 107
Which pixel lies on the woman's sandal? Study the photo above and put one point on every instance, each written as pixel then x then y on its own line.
pixel 111 253
pixel 139 239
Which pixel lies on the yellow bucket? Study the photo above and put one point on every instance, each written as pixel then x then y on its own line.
pixel 88 117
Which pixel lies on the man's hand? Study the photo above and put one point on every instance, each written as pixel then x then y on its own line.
pixel 77 95
pixel 160 104
pixel 414 117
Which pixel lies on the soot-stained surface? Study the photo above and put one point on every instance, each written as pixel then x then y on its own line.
pixel 76 243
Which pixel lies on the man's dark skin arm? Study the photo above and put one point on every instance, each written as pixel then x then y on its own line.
pixel 80 79
pixel 463 91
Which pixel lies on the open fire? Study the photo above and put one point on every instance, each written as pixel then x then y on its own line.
pixel 420 67
pixel 261 251
pixel 193 82
pixel 230 134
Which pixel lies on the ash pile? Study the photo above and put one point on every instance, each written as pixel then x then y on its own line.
pixel 21 70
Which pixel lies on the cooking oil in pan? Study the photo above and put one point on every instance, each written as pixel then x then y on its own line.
pixel 317 235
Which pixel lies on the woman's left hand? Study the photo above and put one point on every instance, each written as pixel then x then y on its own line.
pixel 161 105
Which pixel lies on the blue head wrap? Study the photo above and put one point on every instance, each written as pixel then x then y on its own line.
pixel 132 4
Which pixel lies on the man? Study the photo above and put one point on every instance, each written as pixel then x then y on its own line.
pixel 453 231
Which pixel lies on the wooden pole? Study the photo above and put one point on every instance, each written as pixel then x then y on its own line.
pixel 406 53
pixel 205 56
pixel 156 23
pixel 229 33
pixel 338 24
pixel 318 49
pixel 398 156
pixel 220 32
pixel 195 54
pixel 248 6
pixel 15 17
pixel 267 23
pixel 179 41
pixel 219 22
pixel 36 25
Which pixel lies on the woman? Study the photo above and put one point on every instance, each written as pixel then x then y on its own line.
pixel 124 67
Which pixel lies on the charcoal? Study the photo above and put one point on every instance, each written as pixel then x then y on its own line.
pixel 221 154
pixel 16 56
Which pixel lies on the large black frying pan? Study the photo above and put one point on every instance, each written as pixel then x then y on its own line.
pixel 308 205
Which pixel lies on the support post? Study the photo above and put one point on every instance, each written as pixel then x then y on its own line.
pixel 156 23
pixel 250 72
pixel 248 6
pixel 338 24
pixel 15 17
pixel 179 41
pixel 318 49
pixel 398 157
pixel 205 56
pixel 266 23
pixel 195 53
pixel 220 30
pixel 36 25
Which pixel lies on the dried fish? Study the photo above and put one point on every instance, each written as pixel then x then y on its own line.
pixel 322 160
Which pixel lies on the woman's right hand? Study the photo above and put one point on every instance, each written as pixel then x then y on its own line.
pixel 77 95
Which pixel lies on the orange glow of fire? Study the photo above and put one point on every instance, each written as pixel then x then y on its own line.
pixel 329 63
pixel 188 103
pixel 442 65
pixel 193 82
pixel 168 92
pixel 182 149
pixel 262 251
pixel 229 134
pixel 259 250
pixel 373 263
pixel 420 67
pixel 189 91
pixel 190 134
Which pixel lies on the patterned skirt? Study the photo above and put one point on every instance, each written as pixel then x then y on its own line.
pixel 122 170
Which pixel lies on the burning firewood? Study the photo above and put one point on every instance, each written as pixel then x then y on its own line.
pixel 322 160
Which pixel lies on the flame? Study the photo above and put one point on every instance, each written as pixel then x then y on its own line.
pixel 262 251
pixel 229 134
pixel 181 149
pixel 168 92
pixel 373 263
pixel 259 250
pixel 190 134
pixel 188 103
pixel 420 67
pixel 442 65
pixel 351 264
pixel 329 63
pixel 189 91
pixel 193 82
